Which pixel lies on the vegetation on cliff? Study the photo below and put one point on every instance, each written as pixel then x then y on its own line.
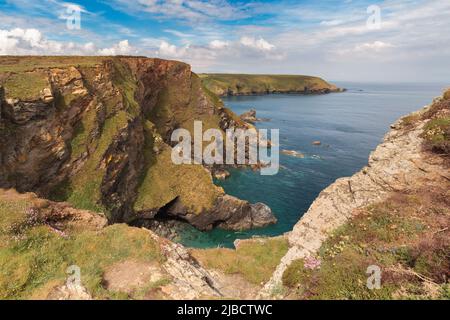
pixel 96 132
pixel 39 243
pixel 407 235
pixel 254 259
pixel 244 84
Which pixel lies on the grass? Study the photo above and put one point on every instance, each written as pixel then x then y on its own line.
pixel 19 64
pixel 437 135
pixel 447 95
pixel 83 189
pixel 43 256
pixel 26 86
pixel 405 236
pixel 410 120
pixel 255 260
pixel 222 84
pixel 164 181
pixel 34 258
pixel 82 132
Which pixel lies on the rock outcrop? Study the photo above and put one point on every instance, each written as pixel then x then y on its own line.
pixel 96 132
pixel 398 164
pixel 249 116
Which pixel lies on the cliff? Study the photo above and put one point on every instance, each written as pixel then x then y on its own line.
pixel 95 132
pixel 45 242
pixel 394 213
pixel 244 84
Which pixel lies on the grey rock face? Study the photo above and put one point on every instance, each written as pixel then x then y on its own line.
pixel 397 164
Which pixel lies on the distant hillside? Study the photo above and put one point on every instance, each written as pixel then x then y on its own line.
pixel 245 84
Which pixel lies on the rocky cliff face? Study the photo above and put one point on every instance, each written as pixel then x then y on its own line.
pixel 96 132
pixel 399 164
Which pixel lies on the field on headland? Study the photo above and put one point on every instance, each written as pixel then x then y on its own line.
pixel 246 84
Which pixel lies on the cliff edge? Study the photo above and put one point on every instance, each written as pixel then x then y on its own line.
pixel 407 171
pixel 96 132
pixel 251 84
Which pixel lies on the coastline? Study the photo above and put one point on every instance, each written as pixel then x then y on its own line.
pixel 397 164
pixel 290 92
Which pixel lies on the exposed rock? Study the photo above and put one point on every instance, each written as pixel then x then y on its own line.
pixel 396 165
pixel 316 143
pixel 228 213
pixel 293 153
pixel 59 215
pixel 69 292
pixel 89 133
pixel 250 116
pixel 190 280
pixel 128 276
pixel 169 229
pixel 221 174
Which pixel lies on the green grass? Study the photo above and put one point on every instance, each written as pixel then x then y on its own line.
pixel 30 63
pixel 437 135
pixel 26 86
pixel 83 190
pixel 42 257
pixel 221 84
pixel 447 95
pixel 255 260
pixel 163 181
pixel 388 234
pixel 34 258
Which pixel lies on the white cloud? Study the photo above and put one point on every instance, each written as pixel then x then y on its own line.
pixel 259 44
pixel 330 23
pixel 121 48
pixel 218 44
pixel 27 41
pixel 171 51
pixel 376 46
pixel 20 41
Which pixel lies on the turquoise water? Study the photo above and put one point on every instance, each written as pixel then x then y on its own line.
pixel 349 125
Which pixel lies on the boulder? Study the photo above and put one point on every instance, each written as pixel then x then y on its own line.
pixel 250 116
pixel 228 213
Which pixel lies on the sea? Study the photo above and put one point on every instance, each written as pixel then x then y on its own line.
pixel 349 126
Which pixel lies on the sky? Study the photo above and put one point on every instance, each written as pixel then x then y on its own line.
pixel 340 40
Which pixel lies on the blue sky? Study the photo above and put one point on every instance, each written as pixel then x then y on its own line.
pixel 329 38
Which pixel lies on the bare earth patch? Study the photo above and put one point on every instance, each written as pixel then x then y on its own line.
pixel 129 276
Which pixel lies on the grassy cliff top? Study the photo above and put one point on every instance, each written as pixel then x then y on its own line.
pixel 223 84
pixel 30 63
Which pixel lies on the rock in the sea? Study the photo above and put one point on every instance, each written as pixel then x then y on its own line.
pixel 249 116
pixel 293 153
pixel 317 143
pixel 221 174
pixel 228 213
